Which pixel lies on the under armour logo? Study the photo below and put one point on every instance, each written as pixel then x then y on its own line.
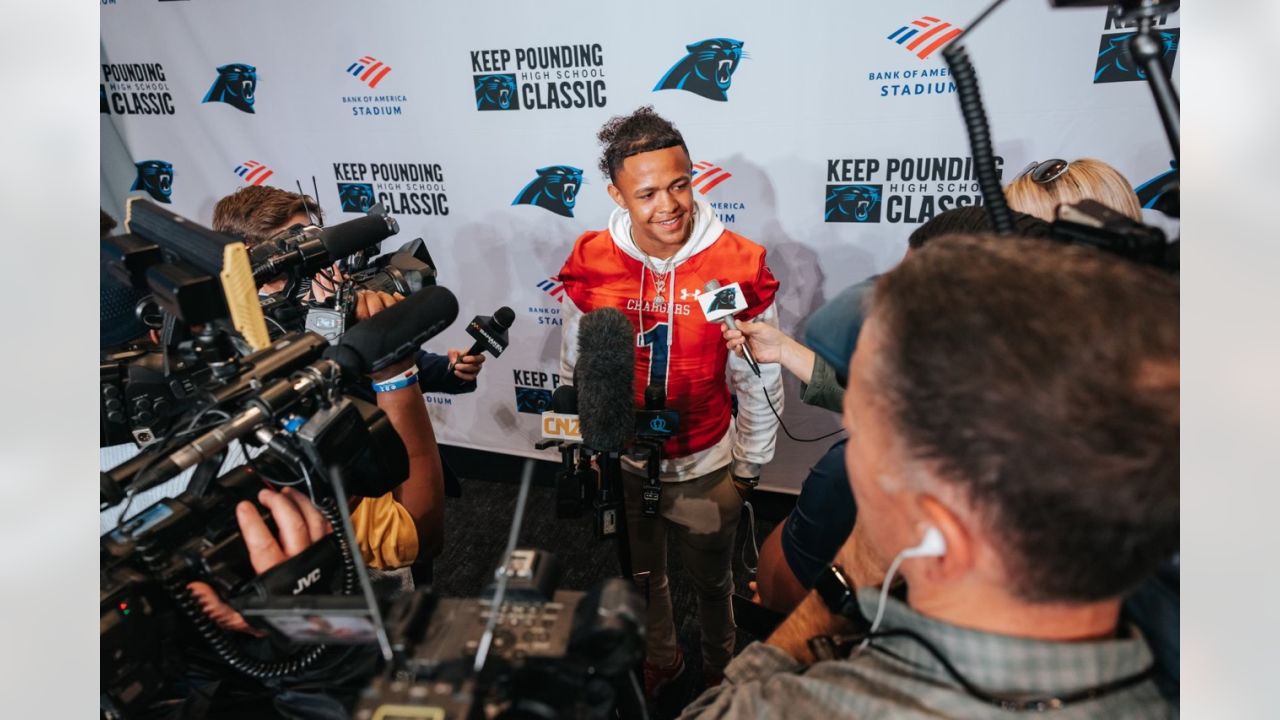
pixel 686 294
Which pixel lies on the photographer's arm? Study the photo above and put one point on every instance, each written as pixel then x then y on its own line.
pixel 422 494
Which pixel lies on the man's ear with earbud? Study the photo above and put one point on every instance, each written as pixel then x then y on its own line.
pixel 931 545
pixel 945 537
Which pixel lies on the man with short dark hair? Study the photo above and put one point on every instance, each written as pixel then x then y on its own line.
pixel 661 248
pixel 1013 421
pixel 805 542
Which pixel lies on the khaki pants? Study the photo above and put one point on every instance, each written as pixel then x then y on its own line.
pixel 702 514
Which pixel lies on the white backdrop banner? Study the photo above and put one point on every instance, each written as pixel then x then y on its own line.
pixel 825 131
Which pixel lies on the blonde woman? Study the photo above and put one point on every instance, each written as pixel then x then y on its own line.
pixel 1043 186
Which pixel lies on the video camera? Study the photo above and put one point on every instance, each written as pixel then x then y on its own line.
pixel 286 401
pixel 551 653
pixel 303 251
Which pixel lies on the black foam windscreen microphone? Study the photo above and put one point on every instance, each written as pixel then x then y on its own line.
pixel 712 286
pixel 605 379
pixel 396 332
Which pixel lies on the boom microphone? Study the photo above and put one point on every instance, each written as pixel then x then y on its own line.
pixel 396 332
pixel 605 378
pixel 316 248
pixel 385 338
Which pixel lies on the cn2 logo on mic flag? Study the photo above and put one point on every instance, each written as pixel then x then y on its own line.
pixel 721 303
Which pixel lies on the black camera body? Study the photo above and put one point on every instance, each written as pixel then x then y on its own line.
pixel 1089 222
pixel 405 271
pixel 150 556
pixel 141 398
pixel 554 653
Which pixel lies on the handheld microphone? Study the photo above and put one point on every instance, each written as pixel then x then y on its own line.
pixel 656 422
pixel 561 422
pixel 721 306
pixel 490 333
pixel 561 427
pixel 316 247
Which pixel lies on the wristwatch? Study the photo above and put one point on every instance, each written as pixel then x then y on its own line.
pixel 839 595
pixel 750 482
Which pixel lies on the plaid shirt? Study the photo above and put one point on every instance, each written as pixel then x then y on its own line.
pixel 898 678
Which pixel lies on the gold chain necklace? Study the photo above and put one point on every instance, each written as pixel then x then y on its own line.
pixel 659 277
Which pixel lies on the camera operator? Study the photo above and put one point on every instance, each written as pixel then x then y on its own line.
pixel 1013 420
pixel 396 529
pixel 259 212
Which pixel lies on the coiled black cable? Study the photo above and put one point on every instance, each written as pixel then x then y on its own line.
pixel 975 123
pixel 219 640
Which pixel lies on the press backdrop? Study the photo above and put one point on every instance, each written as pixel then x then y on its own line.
pixel 826 131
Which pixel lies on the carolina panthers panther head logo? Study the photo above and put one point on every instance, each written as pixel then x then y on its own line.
pixel 234 86
pixel 1116 63
pixel 707 70
pixel 1161 192
pixel 355 197
pixel 496 92
pixel 533 400
pixel 156 177
pixel 853 203
pixel 555 188
pixel 726 299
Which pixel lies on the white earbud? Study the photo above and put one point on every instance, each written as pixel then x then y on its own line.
pixel 932 545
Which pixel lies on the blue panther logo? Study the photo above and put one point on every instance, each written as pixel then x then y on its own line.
pixel 355 197
pixel 853 203
pixel 156 177
pixel 496 92
pixel 234 86
pixel 1161 191
pixel 555 189
pixel 533 400
pixel 707 70
pixel 1116 63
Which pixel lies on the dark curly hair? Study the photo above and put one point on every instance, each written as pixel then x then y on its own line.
pixel 973 219
pixel 642 131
